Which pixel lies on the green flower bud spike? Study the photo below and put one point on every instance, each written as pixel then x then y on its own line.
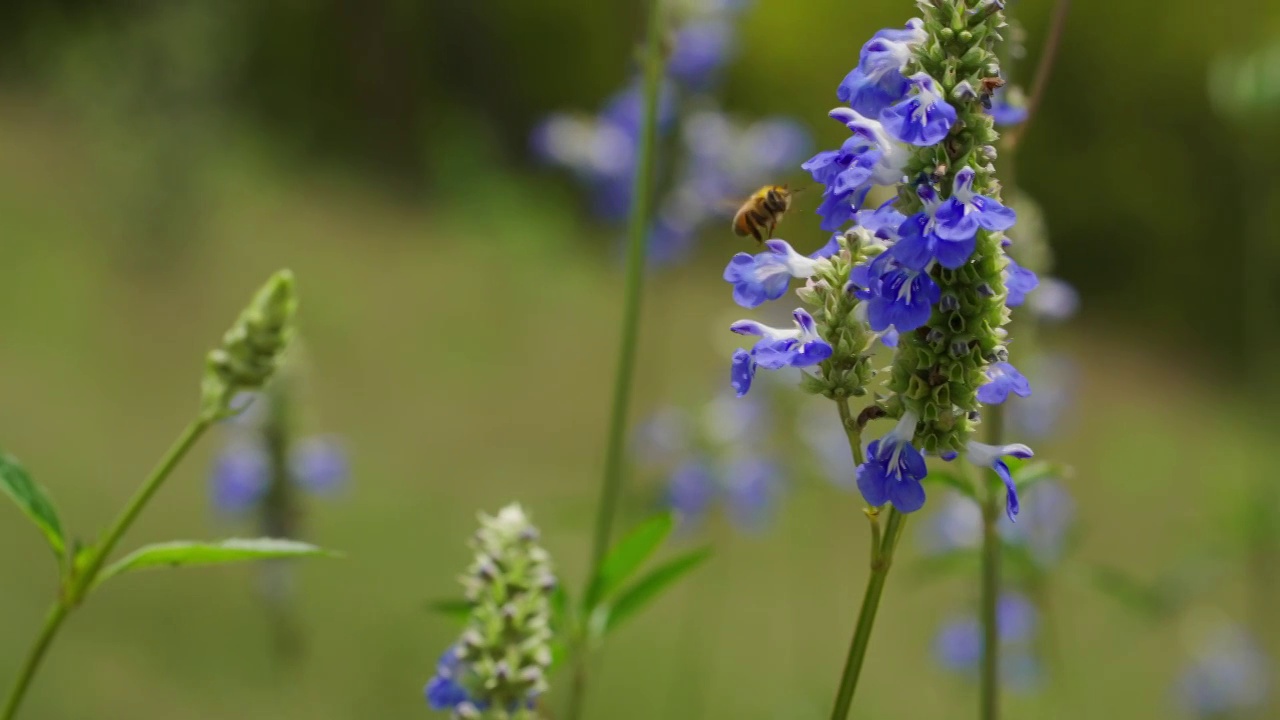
pixel 252 349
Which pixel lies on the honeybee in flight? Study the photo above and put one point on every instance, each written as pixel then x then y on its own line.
pixel 760 214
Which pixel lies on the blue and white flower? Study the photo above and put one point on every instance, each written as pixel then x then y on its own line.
pixel 896 295
pixel 867 159
pixel 992 456
pixel 767 275
pixel 894 469
pixel 444 691
pixel 1002 379
pixel 958 645
pixel 964 212
pixel 920 243
pixel 923 118
pixel 877 82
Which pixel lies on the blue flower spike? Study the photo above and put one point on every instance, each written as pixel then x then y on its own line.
pixel 894 469
pixel 1002 379
pixel 923 119
pixel 992 456
pixel 766 275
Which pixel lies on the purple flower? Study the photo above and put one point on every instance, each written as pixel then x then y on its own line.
pixel 1055 380
pixel 964 212
pixel 1228 677
pixel 766 275
pixel 868 158
pixel 896 295
pixel 319 464
pixel 922 119
pixel 690 490
pixel 1002 379
pixel 920 241
pixel 877 82
pixel 958 645
pixel 751 487
pixel 701 49
pixel 240 476
pixel 1007 108
pixel 992 456
pixel 894 469
pixel 1018 281
pixel 778 348
pixel 883 222
pixel 444 692
pixel 1055 300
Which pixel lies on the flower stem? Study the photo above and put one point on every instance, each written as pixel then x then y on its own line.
pixel 79 582
pixel 867 616
pixel 1044 68
pixel 989 688
pixel 637 237
pixel 851 429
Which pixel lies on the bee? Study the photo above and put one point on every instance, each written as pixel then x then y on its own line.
pixel 760 214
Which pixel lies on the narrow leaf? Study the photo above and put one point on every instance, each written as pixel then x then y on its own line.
pixel 185 553
pixel 627 556
pixel 33 501
pixel 456 608
pixel 651 586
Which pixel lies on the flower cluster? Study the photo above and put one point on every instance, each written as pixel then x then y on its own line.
pixel 498 667
pixel 714 457
pixel 721 159
pixel 958 645
pixel 925 271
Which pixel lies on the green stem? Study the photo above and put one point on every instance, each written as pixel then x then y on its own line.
pixel 851 430
pixel 989 686
pixel 81 581
pixel 867 616
pixel 637 237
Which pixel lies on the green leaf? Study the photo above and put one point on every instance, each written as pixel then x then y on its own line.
pixel 33 501
pixel 627 556
pixel 1031 474
pixel 185 553
pixel 651 586
pixel 951 480
pixel 456 608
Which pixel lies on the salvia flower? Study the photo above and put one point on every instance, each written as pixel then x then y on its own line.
pixel 500 662
pixel 1018 281
pixel 1008 106
pixel 877 82
pixel 921 242
pixel 777 348
pixel 766 275
pixel 898 296
pixel 924 118
pixel 894 469
pixel 960 216
pixel 983 455
pixel 869 158
pixel 1002 379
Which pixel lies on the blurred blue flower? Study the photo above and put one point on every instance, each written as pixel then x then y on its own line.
pixel 443 691
pixel 1228 677
pixel 240 475
pixel 701 49
pixel 1046 517
pixel 691 489
pixel 1007 107
pixel 958 645
pixel 1056 383
pixel 319 464
pixel 1055 300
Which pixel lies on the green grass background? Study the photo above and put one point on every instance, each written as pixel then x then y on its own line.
pixel 463 344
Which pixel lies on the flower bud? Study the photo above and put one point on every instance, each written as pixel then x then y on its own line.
pixel 252 348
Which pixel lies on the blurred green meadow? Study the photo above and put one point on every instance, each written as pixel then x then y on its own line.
pixel 460 331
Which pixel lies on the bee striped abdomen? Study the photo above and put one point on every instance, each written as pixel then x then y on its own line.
pixel 760 214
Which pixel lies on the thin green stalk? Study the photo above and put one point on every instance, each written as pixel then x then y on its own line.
pixel 80 581
pixel 989 686
pixel 883 544
pixel 867 616
pixel 637 237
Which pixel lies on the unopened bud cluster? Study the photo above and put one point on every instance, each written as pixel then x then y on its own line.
pixel 499 665
pixel 252 348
